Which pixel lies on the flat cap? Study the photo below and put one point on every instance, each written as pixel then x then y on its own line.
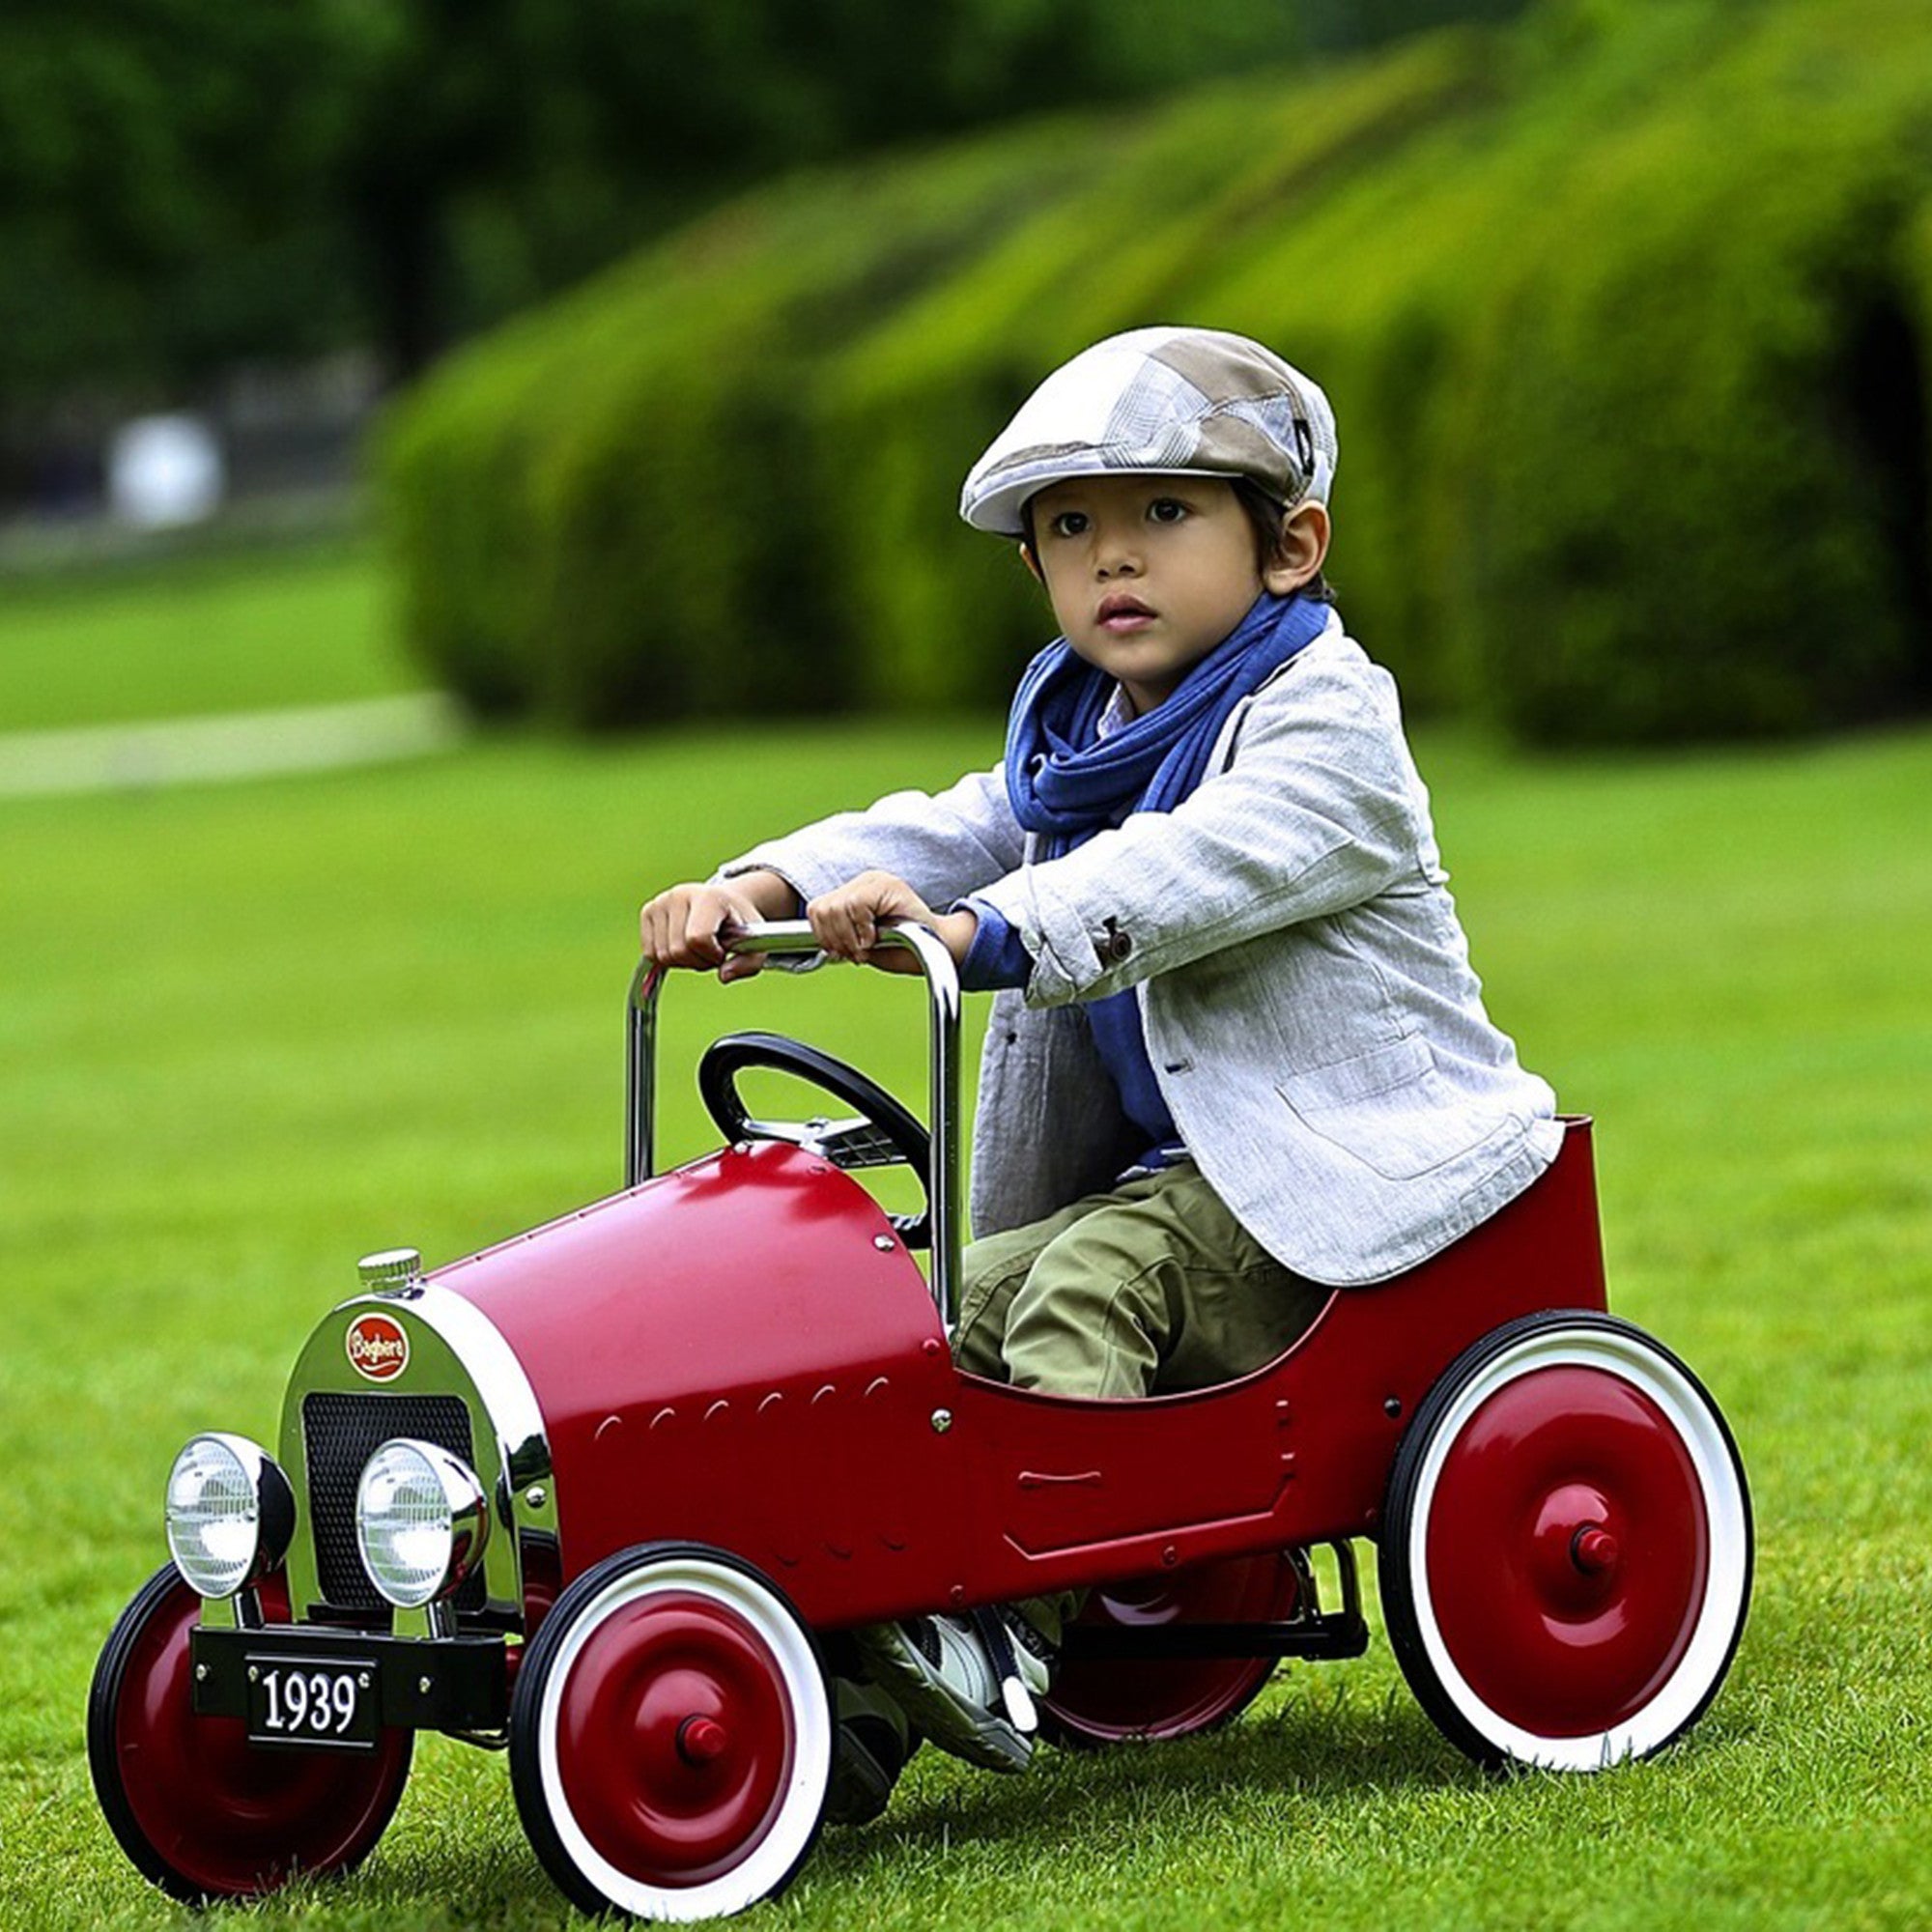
pixel 1181 402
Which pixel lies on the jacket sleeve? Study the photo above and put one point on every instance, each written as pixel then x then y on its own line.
pixel 944 845
pixel 1317 810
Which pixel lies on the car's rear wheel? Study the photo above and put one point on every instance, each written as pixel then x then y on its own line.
pixel 199 1809
pixel 1104 1700
pixel 1566 1555
pixel 670 1736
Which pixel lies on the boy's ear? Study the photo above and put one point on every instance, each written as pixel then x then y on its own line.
pixel 1304 544
pixel 1032 562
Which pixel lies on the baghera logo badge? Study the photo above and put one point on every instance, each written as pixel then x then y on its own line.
pixel 378 1348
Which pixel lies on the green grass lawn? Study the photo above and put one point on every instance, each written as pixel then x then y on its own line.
pixel 250 1032
pixel 241 631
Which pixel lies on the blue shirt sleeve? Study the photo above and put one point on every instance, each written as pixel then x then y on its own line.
pixel 997 955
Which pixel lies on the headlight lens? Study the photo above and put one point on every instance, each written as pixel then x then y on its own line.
pixel 229 1513
pixel 421 1521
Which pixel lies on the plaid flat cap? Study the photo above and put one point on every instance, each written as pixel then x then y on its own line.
pixel 1179 402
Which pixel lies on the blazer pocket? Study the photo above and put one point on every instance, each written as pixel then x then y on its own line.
pixel 1362 1076
pixel 1388 1109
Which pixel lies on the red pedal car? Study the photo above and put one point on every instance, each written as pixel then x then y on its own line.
pixel 611 1495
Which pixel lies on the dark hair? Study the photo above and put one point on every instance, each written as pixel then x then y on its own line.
pixel 1265 512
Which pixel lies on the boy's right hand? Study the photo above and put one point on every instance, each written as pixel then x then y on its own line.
pixel 679 926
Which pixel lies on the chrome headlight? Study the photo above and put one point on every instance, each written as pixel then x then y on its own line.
pixel 229 1513
pixel 421 1521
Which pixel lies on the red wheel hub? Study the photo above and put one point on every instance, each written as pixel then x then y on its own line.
pixel 229 1816
pixel 675 1739
pixel 1567 1550
pixel 1103 1701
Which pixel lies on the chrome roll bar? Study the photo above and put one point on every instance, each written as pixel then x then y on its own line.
pixel 790 944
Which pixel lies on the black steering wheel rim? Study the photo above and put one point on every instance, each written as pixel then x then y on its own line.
pixel 727 1057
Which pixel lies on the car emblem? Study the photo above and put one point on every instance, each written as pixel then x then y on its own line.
pixel 379 1348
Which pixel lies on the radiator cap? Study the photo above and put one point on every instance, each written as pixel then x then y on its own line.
pixel 392 1272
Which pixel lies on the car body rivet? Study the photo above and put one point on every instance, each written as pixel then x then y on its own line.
pixel 942 1421
pixel 884 1243
pixel 1170 1555
pixel 201 1673
pixel 1392 1406
pixel 535 1496
pixel 422 1684
pixel 362 1678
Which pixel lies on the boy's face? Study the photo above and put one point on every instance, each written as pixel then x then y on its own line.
pixel 1147 573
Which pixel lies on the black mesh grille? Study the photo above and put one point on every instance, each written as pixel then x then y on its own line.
pixel 341 1432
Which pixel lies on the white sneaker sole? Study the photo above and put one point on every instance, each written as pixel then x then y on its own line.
pixel 979 1736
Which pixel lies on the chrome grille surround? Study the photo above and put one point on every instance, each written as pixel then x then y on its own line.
pixel 464 1389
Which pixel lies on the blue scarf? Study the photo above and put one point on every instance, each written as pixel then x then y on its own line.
pixel 1067 785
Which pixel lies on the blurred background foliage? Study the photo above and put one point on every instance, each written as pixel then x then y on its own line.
pixel 1623 311
pixel 693 313
pixel 187 182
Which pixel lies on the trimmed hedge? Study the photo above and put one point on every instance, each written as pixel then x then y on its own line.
pixel 612 512
pixel 1623 312
pixel 1699 504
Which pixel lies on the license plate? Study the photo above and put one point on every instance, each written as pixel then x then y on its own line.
pixel 330 1702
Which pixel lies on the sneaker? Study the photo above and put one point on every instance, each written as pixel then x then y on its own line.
pixel 968 1683
pixel 870 1747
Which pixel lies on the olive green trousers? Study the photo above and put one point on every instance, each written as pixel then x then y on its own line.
pixel 1147 1289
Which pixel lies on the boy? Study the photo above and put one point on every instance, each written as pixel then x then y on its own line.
pixel 1237 1056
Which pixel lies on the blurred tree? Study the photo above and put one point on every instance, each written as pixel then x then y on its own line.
pixel 633 114
pixel 186 181
pixel 1339 25
pixel 158 162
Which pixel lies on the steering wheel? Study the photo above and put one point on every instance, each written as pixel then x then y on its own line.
pixel 883 1133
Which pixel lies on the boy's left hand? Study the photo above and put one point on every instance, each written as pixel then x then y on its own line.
pixel 845 921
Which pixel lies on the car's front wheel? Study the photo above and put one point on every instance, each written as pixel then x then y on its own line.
pixel 200 1810
pixel 670 1736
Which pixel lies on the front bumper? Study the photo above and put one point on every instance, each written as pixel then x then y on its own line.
pixel 430 1683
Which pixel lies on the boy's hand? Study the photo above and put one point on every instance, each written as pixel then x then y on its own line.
pixel 679 927
pixel 845 921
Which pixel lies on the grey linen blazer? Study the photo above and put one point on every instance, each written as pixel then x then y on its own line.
pixel 1305 983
